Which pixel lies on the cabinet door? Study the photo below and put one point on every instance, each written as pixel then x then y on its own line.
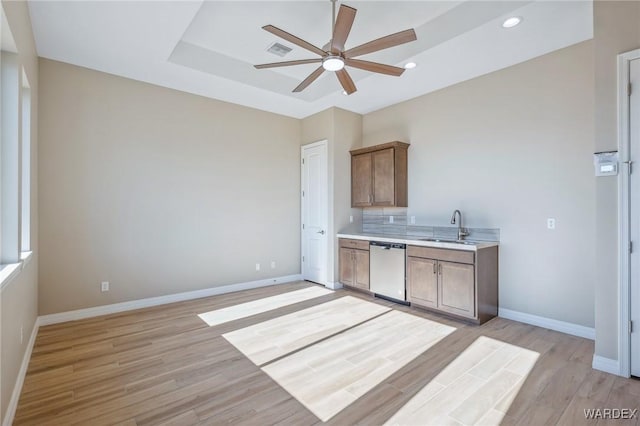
pixel 347 271
pixel 361 180
pixel 456 288
pixel 383 177
pixel 362 269
pixel 422 281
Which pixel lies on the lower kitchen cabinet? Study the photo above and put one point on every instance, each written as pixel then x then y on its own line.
pixel 457 282
pixel 456 289
pixel 354 263
pixel 422 281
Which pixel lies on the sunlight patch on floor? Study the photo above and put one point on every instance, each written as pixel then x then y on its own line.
pixel 243 310
pixel 280 336
pixel 332 374
pixel 478 387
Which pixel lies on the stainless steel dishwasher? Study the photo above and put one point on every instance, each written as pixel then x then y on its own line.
pixel 387 274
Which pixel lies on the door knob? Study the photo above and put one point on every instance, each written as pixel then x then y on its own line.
pixel 320 232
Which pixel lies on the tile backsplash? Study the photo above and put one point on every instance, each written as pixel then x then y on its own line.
pixel 393 221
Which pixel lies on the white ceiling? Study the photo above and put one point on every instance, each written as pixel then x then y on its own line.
pixel 209 48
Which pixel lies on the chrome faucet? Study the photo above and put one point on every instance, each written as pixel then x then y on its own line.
pixel 462 232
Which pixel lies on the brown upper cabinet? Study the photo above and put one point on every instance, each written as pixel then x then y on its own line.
pixel 379 175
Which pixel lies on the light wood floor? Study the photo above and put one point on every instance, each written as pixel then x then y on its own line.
pixel 164 365
pixel 266 341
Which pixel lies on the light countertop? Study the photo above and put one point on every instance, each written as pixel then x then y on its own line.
pixel 415 240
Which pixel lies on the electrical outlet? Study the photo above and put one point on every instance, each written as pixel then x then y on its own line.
pixel 350 219
pixel 273 264
pixel 390 219
pixel 21 335
pixel 104 286
pixel 257 266
pixel 413 220
pixel 551 223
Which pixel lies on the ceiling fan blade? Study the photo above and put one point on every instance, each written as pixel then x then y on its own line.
pixel 382 43
pixel 346 81
pixel 374 67
pixel 293 39
pixel 307 81
pixel 341 31
pixel 288 63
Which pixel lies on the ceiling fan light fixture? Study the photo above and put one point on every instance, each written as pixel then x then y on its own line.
pixel 511 22
pixel 334 57
pixel 333 63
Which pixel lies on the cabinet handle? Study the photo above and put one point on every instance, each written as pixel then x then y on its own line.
pixel 440 268
pixel 369 198
pixel 434 267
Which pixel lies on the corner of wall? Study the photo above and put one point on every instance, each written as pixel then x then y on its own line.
pixel 20 297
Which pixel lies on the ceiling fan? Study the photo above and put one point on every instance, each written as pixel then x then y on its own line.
pixel 334 57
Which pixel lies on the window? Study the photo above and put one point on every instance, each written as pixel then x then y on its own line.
pixel 25 199
pixel 15 159
pixel 10 159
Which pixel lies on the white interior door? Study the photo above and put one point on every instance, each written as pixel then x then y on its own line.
pixel 634 203
pixel 315 212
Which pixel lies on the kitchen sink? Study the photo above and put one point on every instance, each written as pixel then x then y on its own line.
pixel 442 240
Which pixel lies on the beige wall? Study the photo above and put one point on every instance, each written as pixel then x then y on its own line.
pixel 19 309
pixel 158 191
pixel 18 300
pixel 317 127
pixel 347 136
pixel 343 131
pixel 616 30
pixel 510 149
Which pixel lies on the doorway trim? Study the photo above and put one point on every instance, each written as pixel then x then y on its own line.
pixel 624 181
pixel 321 143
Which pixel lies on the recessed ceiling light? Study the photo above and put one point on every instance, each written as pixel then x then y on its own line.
pixel 511 22
pixel 410 65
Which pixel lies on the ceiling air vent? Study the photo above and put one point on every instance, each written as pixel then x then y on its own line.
pixel 279 49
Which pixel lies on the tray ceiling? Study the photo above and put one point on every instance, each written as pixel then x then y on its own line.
pixel 209 48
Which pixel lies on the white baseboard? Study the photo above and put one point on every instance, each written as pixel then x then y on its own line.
pixel 552 324
pixel 333 286
pixel 607 365
pixel 15 395
pixel 160 300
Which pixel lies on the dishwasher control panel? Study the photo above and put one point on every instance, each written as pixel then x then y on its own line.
pixel 388 245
